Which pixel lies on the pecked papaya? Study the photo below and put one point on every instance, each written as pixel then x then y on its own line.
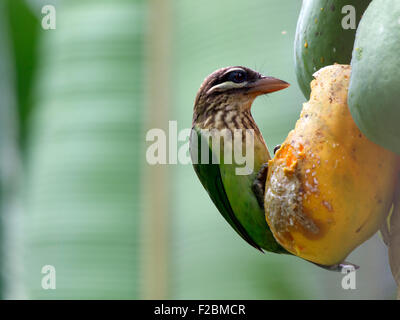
pixel 374 92
pixel 321 37
pixel 328 187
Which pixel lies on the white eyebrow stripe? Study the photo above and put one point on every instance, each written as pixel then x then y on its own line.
pixel 227 85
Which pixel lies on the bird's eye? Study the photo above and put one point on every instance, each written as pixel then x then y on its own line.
pixel 237 76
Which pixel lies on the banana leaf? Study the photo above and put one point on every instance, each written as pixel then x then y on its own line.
pixel 84 159
pixel 10 206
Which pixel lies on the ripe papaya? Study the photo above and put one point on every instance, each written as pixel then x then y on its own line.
pixel 321 37
pixel 328 187
pixel 374 92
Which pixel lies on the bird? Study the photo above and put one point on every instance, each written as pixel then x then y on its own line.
pixel 223 104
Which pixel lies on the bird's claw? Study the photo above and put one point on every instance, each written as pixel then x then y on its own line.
pixel 258 186
pixel 277 148
pixel 339 267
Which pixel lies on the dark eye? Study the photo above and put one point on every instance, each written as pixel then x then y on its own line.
pixel 237 76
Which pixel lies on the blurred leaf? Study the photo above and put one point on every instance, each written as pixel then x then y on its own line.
pixel 37 5
pixel 10 253
pixel 24 27
pixel 86 152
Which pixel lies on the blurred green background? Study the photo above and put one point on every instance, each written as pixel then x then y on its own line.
pixel 75 189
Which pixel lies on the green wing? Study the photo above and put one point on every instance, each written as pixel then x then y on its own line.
pixel 210 177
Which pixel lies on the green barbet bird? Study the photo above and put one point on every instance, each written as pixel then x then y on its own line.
pixel 223 104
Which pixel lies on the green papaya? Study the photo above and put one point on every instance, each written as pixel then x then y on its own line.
pixel 374 92
pixel 325 35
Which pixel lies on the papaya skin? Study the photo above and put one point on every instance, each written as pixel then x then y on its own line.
pixel 374 95
pixel 328 187
pixel 321 39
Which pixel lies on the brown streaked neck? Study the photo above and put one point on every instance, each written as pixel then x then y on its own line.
pixel 225 113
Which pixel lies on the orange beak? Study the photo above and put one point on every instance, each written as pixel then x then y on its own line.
pixel 266 85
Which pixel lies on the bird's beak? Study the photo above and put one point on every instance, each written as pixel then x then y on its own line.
pixel 267 85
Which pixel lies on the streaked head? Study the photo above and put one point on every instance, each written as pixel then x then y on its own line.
pixel 238 84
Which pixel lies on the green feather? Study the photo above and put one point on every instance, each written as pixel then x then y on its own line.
pixel 233 197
